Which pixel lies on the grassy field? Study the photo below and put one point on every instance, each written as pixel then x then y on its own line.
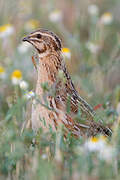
pixel 90 32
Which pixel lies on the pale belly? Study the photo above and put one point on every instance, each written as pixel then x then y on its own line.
pixel 41 117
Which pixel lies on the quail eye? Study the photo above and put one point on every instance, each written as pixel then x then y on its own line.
pixel 38 36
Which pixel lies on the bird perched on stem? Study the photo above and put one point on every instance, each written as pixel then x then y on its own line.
pixel 51 69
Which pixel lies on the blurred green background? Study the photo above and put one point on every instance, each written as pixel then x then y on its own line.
pixel 90 34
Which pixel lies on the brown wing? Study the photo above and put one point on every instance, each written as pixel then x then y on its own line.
pixel 86 126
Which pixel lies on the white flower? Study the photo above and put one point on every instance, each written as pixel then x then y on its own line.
pixel 95 144
pixel 55 16
pixel 15 81
pixel 106 18
pixel 107 153
pixel 66 53
pixel 44 156
pixel 2 73
pixel 92 47
pixel 6 30
pixel 23 85
pixel 16 77
pixel 24 47
pixel 29 95
pixel 93 10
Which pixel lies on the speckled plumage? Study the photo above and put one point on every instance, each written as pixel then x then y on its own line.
pixel 50 63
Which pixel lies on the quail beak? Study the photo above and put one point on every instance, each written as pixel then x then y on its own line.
pixel 27 38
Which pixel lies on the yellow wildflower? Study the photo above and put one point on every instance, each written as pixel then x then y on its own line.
pixel 95 144
pixel 2 72
pixel 16 76
pixel 106 18
pixel 94 139
pixel 66 53
pixel 6 30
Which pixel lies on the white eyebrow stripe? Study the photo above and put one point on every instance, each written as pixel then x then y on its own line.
pixel 46 34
